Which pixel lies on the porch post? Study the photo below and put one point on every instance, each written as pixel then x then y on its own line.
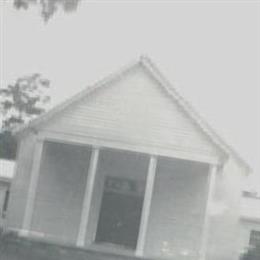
pixel 32 187
pixel 205 231
pixel 88 196
pixel 146 205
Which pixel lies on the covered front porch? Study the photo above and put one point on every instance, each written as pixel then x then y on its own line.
pixel 121 201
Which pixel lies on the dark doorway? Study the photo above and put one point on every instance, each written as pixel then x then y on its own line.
pixel 119 219
pixel 122 197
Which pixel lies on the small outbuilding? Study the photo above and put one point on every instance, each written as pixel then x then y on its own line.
pixel 128 167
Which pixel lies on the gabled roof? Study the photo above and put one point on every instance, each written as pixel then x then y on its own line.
pixel 150 68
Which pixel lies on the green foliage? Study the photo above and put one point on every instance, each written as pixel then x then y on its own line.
pixel 23 100
pixel 48 7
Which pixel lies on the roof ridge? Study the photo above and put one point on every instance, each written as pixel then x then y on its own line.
pixel 86 90
pixel 201 122
pixel 151 68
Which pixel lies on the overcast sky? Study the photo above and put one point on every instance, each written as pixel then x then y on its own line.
pixel 210 50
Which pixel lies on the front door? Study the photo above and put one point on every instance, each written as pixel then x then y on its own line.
pixel 120 213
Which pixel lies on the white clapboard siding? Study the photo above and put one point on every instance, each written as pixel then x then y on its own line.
pixel 134 109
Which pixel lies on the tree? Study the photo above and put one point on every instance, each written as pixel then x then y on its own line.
pixel 48 7
pixel 23 100
pixel 19 103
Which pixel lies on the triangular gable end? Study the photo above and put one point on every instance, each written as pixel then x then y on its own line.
pixel 204 134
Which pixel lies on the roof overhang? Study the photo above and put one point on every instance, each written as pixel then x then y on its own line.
pixel 149 66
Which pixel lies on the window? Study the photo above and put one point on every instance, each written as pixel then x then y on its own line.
pixel 254 238
pixel 5 205
pixel 124 178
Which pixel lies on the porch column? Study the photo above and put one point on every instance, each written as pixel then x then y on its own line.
pixel 146 205
pixel 32 187
pixel 205 231
pixel 88 196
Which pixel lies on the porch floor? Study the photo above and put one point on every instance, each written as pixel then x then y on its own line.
pixel 13 247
